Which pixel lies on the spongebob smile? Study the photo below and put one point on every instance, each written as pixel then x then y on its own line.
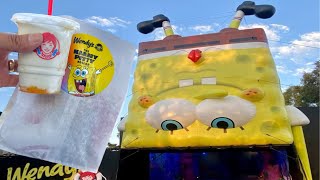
pixel 80 85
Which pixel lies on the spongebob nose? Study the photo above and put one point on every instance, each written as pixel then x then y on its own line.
pixel 194 55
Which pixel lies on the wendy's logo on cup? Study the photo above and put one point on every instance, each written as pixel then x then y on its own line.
pixel 49 48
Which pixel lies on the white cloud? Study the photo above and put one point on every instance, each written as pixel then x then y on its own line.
pixel 120 22
pixel 216 25
pixel 159 34
pixel 308 40
pixel 283 69
pixel 302 70
pixel 307 68
pixel 202 29
pixel 311 37
pixel 279 26
pixel 108 22
pixel 310 63
pixel 284 88
pixel 272 31
pixel 177 29
pixel 112 30
pixel 305 48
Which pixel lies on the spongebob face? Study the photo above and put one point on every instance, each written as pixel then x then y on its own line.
pixel 230 96
pixel 81 80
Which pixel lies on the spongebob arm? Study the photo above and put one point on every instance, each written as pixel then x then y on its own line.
pixel 297 119
pixel 122 124
pixel 110 63
pixel 98 71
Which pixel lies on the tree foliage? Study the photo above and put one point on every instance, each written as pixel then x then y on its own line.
pixel 306 94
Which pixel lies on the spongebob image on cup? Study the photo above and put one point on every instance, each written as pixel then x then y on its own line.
pixel 210 90
pixel 90 67
pixel 82 81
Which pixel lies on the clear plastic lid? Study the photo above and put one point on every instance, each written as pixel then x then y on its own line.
pixel 45 19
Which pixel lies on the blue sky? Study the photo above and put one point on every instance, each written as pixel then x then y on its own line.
pixel 293 31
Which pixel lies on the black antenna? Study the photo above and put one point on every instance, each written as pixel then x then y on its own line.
pixel 160 20
pixel 250 8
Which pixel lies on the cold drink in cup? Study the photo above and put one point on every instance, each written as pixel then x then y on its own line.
pixel 42 70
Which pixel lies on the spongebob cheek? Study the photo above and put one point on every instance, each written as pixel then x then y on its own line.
pixel 269 127
pixel 252 94
pixel 146 101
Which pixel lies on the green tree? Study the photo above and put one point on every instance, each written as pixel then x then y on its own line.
pixel 306 94
pixel 292 96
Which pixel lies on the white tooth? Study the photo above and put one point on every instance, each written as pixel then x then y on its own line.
pixel 80 80
pixel 209 80
pixel 77 81
pixel 185 82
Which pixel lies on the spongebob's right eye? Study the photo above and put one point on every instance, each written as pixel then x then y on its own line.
pixel 77 72
pixel 171 114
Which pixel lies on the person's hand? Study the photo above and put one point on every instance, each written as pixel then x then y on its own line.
pixel 15 43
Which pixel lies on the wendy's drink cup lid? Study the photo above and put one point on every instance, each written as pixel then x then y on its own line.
pixel 42 70
pixel 29 18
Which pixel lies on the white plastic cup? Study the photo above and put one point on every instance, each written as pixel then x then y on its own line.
pixel 42 70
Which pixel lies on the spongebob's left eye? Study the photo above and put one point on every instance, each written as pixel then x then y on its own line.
pixel 77 72
pixel 228 112
pixel 171 114
pixel 84 72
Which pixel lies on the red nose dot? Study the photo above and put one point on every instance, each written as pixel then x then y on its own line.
pixel 194 55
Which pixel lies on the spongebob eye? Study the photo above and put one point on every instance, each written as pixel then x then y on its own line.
pixel 77 72
pixel 171 114
pixel 222 122
pixel 84 72
pixel 227 112
pixel 170 125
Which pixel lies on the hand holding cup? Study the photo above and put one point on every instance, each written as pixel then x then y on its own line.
pixel 14 43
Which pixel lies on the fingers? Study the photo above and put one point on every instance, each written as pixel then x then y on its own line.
pixel 20 43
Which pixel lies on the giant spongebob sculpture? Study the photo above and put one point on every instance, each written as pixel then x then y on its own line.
pixel 212 90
